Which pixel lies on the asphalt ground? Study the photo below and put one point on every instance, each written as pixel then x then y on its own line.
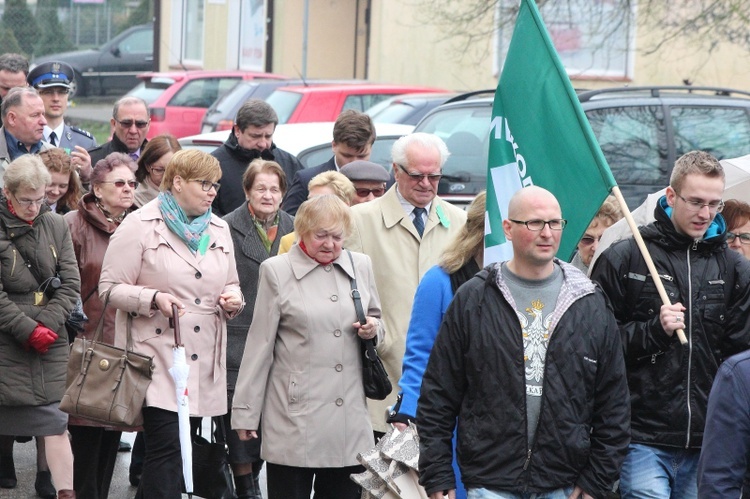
pixel 24 456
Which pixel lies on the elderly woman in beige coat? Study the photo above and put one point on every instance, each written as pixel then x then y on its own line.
pixel 174 251
pixel 302 365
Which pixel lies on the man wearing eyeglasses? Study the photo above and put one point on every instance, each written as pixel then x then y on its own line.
pixel 709 288
pixel 369 179
pixel 353 137
pixel 130 122
pixel 53 81
pixel 528 365
pixel 404 232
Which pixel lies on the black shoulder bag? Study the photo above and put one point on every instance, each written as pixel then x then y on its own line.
pixel 374 378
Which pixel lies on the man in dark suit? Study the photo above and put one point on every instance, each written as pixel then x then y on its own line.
pixel 353 136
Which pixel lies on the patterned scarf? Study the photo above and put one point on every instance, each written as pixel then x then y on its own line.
pixel 266 230
pixel 193 233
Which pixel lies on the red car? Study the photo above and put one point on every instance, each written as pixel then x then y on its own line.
pixel 178 100
pixel 299 104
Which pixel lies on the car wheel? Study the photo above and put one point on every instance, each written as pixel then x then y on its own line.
pixel 77 86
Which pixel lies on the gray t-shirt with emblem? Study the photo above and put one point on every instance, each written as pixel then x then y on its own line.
pixel 535 300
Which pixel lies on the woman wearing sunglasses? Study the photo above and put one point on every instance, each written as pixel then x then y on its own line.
pixel 175 251
pixel 608 214
pixel 99 213
pixel 151 166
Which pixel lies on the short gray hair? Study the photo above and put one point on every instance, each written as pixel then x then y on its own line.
pixel 27 171
pixel 255 112
pixel 14 63
pixel 128 99
pixel 425 140
pixel 14 98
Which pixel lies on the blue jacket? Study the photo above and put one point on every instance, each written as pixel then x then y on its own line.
pixel 431 300
pixel 726 439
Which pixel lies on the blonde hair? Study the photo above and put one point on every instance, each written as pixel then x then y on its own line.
pixel 27 171
pixel 320 212
pixel 341 186
pixel 191 164
pixel 695 163
pixel 470 239
pixel 610 211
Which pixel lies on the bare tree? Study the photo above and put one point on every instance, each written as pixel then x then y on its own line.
pixel 704 24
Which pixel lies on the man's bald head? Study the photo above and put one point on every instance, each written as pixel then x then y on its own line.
pixel 528 197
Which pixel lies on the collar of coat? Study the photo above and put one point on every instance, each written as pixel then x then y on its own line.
pixel 247 155
pixel 575 286
pixel 393 213
pixel 663 232
pixel 303 264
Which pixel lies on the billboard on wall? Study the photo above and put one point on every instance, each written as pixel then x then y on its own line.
pixel 253 35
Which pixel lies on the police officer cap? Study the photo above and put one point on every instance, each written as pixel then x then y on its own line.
pixel 365 170
pixel 51 74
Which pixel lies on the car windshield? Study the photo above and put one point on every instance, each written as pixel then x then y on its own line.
pixel 284 103
pixel 396 112
pixel 465 131
pixel 234 98
pixel 149 90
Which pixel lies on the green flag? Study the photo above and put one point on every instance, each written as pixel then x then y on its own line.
pixel 540 136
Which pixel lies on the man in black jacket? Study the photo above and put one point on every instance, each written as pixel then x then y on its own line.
pixel 528 364
pixel 130 121
pixel 709 287
pixel 251 138
pixel 353 136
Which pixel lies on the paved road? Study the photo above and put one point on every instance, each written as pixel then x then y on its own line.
pixel 95 109
pixel 25 459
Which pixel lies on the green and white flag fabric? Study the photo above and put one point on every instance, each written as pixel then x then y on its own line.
pixel 540 136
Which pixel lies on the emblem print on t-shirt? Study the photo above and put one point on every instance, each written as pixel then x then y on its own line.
pixel 535 327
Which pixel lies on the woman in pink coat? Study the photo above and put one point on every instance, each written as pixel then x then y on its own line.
pixel 174 251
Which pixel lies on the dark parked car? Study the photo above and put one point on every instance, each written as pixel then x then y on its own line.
pixel 641 130
pixel 113 66
pixel 407 109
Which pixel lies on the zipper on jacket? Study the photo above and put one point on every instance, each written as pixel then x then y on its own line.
pixel 690 343
pixel 528 459
pixel 54 253
pixel 653 357
pixel 13 267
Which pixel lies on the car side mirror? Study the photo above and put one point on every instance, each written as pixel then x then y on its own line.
pixel 115 51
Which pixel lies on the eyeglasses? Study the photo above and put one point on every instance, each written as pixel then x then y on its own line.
pixel 121 183
pixel 588 240
pixel 130 123
pixel 54 90
pixel 28 203
pixel 207 184
pixel 158 171
pixel 695 206
pixel 377 192
pixel 538 225
pixel 744 237
pixel 418 177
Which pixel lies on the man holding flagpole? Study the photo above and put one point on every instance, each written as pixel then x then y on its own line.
pixel 709 286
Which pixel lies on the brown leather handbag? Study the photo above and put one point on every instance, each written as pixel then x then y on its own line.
pixel 106 383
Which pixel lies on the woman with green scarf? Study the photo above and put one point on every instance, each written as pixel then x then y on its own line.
pixel 257 228
pixel 174 251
